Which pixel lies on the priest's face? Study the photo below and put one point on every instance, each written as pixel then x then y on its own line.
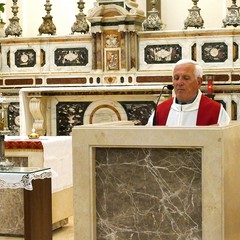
pixel 185 82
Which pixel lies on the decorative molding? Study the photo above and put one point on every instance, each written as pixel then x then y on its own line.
pixel 37 107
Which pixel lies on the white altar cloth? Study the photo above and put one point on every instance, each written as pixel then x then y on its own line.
pixel 21 177
pixel 57 154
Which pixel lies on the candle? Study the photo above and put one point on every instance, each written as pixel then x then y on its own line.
pixel 210 86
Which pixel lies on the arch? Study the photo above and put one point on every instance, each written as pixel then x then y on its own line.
pixel 110 10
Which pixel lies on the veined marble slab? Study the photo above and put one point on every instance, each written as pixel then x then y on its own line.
pixel 171 183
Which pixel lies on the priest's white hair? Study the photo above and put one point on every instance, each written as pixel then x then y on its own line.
pixel 198 69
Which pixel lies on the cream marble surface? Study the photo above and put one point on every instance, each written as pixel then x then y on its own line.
pixel 64 233
pixel 220 171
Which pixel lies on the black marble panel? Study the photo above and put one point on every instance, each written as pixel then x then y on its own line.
pixel 214 52
pixel 71 57
pixel 69 114
pixel 8 59
pixel 160 54
pixel 121 4
pixel 25 58
pixel 14 118
pixel 144 194
pixel 138 111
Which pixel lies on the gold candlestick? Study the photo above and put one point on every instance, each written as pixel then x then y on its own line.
pixel 81 24
pixel 47 27
pixel 194 19
pixel 14 28
pixel 232 18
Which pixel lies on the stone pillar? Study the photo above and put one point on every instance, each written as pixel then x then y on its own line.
pixel 133 50
pixel 99 49
pixel 124 65
pixel 94 46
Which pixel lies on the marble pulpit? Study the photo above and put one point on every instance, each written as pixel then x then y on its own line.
pixel 139 182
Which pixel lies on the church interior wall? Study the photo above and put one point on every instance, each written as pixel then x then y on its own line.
pixel 114 72
pixel 113 62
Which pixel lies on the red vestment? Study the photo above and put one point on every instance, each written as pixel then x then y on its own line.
pixel 208 112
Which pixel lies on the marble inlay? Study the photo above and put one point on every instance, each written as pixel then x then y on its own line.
pixel 25 58
pixel 69 114
pixel 8 59
pixel 71 57
pixel 235 52
pixel 138 111
pixel 214 52
pixel 194 52
pixel 14 118
pixel 155 54
pixel 42 57
pixel 149 193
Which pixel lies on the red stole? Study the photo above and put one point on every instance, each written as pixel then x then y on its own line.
pixel 208 112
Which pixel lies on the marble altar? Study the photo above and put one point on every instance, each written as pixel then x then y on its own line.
pixel 156 182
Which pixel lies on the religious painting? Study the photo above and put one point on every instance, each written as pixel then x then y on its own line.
pixel 25 58
pixel 214 52
pixel 71 57
pixel 160 54
pixel 112 60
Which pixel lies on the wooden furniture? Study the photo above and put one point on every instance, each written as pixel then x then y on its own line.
pixel 36 183
pixel 26 152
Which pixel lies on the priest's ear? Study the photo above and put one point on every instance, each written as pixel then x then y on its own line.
pixel 199 80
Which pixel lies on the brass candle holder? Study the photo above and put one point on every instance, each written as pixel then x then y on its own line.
pixel 5 164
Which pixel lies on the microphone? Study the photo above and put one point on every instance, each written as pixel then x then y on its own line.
pixel 169 87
